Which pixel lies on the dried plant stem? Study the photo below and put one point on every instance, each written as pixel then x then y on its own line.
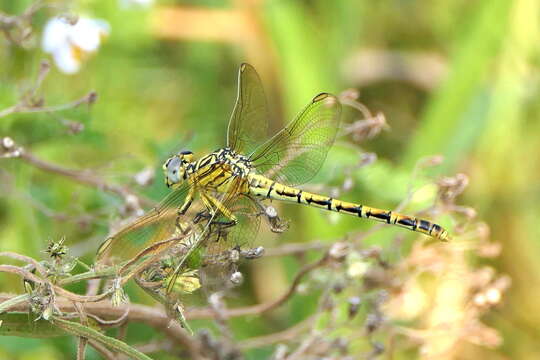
pixel 289 334
pixel 85 178
pixel 264 307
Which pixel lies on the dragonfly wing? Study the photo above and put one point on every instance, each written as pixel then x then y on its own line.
pixel 218 256
pixel 156 225
pixel 248 125
pixel 240 235
pixel 296 153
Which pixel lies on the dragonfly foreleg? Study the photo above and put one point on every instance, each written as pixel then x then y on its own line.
pixel 188 201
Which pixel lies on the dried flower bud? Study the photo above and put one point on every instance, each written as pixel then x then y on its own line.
pixel 338 287
pixel 237 278
pixel 367 159
pixel 271 212
pixel 354 306
pixel 373 322
pixel 91 98
pixel 339 251
pixel 119 297
pixel 281 352
pixel 144 177
pixel 7 143
pixel 349 94
pixel 251 254
pixel 451 187
pixel 132 205
pixel 8 148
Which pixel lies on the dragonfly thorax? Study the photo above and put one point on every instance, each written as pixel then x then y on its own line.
pixel 181 166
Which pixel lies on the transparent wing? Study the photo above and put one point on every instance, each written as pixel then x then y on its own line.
pixel 248 126
pixel 295 154
pixel 240 235
pixel 222 253
pixel 156 225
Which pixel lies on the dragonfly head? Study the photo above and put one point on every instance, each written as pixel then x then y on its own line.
pixel 175 168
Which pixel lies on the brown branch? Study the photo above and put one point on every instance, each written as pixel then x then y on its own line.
pixel 289 334
pixel 23 273
pixel 27 275
pixel 24 107
pixel 296 248
pixel 22 23
pixel 83 342
pixel 150 316
pixel 155 317
pixel 11 149
pixel 25 259
pixel 264 307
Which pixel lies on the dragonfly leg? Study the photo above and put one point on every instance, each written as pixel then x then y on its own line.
pixel 187 202
pixel 182 227
pixel 214 205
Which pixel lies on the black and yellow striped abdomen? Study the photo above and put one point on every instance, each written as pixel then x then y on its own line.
pixel 263 187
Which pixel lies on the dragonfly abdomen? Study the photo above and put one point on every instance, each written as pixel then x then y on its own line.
pixel 263 187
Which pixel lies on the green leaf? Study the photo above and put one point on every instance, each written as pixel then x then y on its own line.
pixel 24 325
pixel 89 333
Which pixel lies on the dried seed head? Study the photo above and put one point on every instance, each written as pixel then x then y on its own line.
pixel 57 249
pixel 237 278
pixel 451 187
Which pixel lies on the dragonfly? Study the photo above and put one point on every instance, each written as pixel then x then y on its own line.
pixel 250 169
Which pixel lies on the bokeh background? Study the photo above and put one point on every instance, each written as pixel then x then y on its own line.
pixel 456 78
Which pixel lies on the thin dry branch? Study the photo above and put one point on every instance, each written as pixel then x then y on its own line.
pixel 31 102
pixel 289 334
pixel 94 306
pixel 151 316
pixel 18 28
pixel 10 149
pixel 25 107
pixel 264 307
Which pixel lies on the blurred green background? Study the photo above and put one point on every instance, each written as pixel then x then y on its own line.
pixel 458 78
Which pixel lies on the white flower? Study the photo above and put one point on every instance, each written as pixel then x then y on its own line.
pixel 70 44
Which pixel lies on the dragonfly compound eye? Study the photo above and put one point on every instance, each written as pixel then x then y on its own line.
pixel 174 170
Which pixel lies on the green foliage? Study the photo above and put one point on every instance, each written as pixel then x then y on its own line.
pixel 158 96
